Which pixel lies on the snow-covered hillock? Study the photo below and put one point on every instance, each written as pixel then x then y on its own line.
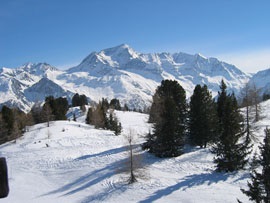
pixel 74 162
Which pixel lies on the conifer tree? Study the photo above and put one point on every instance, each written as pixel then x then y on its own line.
pixel 3 130
pixel 231 153
pixel 202 117
pixel 113 124
pixel 79 100
pixel 8 118
pixel 168 112
pixel 259 187
pixel 115 104
pixel 57 107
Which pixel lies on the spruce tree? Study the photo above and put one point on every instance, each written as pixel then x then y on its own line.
pixel 58 107
pixel 231 153
pixel 113 124
pixel 259 187
pixel 115 104
pixel 8 118
pixel 3 130
pixel 79 100
pixel 202 117
pixel 168 112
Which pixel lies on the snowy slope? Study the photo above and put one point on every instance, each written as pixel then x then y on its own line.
pixel 73 162
pixel 262 81
pixel 118 72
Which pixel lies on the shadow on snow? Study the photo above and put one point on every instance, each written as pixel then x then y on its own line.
pixel 188 182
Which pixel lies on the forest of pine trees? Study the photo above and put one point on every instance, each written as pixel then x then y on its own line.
pixel 206 122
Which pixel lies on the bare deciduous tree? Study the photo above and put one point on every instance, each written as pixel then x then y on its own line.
pixel 249 97
pixel 255 99
pixel 132 178
pixel 133 166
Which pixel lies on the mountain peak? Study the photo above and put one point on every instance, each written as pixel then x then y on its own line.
pixel 199 55
pixel 122 50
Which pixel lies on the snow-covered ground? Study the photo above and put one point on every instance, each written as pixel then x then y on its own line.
pixel 73 162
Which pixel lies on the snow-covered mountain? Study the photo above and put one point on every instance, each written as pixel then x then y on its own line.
pixel 262 81
pixel 118 72
pixel 19 87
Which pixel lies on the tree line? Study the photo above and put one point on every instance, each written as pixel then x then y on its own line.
pixel 13 122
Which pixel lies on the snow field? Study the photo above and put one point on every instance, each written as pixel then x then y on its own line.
pixel 73 162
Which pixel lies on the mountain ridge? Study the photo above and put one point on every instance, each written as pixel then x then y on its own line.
pixel 120 72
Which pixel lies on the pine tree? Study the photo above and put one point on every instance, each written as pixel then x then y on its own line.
pixel 115 104
pixel 168 112
pixel 202 117
pixel 231 153
pixel 259 187
pixel 57 107
pixel 79 100
pixel 3 130
pixel 36 112
pixel 113 124
pixel 8 118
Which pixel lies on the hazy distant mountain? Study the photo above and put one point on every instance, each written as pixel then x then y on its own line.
pixel 118 72
pixel 262 81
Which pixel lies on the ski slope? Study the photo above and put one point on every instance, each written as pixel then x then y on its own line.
pixel 73 162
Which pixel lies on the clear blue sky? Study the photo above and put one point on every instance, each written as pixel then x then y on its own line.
pixel 63 32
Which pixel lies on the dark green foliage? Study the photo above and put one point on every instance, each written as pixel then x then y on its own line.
pixel 113 124
pixel 61 108
pixel 259 187
pixel 58 106
pixel 115 104
pixel 3 131
pixel 79 100
pixel 36 112
pixel 4 187
pixel 231 154
pixel 125 108
pixel 12 123
pixel 105 104
pixel 266 96
pixel 168 113
pixel 202 117
pixel 8 118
